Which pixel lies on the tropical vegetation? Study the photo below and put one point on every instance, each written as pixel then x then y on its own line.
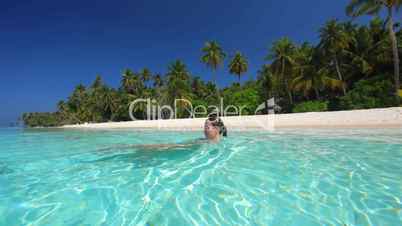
pixel 352 66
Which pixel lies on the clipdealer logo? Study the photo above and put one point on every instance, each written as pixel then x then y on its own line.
pixel 155 111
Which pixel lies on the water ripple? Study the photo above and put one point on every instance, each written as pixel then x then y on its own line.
pixel 287 177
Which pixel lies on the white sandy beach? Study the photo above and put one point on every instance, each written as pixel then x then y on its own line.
pixel 372 118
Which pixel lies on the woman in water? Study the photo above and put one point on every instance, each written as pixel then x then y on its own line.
pixel 214 129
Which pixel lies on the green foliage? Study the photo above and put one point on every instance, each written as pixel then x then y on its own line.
pixel 373 7
pixel 282 55
pixel 178 81
pixel 265 83
pixel 360 7
pixel 338 73
pixel 246 97
pixel 213 56
pixel 369 94
pixel 132 83
pixel 311 106
pixel 238 65
pixel 40 119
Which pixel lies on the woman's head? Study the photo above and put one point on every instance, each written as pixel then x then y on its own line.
pixel 211 131
pixel 214 127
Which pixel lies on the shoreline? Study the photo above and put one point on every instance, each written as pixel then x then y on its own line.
pixel 369 118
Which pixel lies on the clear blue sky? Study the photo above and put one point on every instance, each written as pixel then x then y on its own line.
pixel 48 47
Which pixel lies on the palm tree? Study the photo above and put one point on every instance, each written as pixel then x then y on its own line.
pixel 310 73
pixel 266 82
pixel 158 83
pixel 109 104
pixel 315 80
pixel 282 53
pixel 131 83
pixel 198 88
pixel 213 56
pixel 212 93
pixel 178 80
pixel 145 75
pixel 96 99
pixel 178 84
pixel 361 54
pixel 98 83
pixel 238 65
pixel 359 7
pixel 61 106
pixel 127 81
pixel 78 97
pixel 79 103
pixel 266 78
pixel 303 58
pixel 63 111
pixel 334 43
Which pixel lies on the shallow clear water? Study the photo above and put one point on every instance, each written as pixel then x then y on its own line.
pixel 288 177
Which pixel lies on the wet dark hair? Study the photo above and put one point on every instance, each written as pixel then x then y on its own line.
pixel 212 116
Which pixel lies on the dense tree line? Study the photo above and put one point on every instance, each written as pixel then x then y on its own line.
pixel 351 67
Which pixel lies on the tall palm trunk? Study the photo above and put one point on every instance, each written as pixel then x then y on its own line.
pixel 268 96
pixel 214 76
pixel 216 85
pixel 395 53
pixel 266 107
pixel 286 82
pixel 338 71
pixel 317 93
pixel 290 94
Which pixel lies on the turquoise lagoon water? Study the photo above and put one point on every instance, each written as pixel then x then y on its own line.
pixel 289 177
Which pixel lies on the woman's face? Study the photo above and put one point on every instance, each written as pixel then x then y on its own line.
pixel 211 132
